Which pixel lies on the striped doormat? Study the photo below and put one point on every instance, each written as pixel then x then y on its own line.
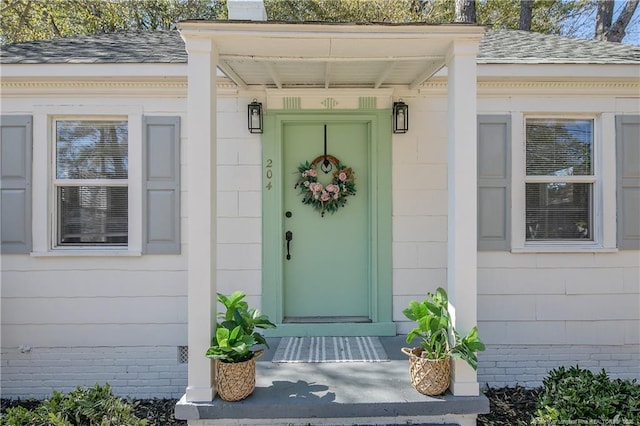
pixel 330 349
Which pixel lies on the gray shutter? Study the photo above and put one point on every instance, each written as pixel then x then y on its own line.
pixel 628 182
pixel 494 186
pixel 161 185
pixel 15 183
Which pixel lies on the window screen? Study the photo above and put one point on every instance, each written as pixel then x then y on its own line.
pixel 91 182
pixel 560 179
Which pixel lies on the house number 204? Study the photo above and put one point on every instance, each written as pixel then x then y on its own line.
pixel 269 173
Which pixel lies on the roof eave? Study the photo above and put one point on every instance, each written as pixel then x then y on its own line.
pixel 329 55
pixel 324 29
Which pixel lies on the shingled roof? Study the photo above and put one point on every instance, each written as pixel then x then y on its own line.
pixel 497 47
pixel 511 46
pixel 131 47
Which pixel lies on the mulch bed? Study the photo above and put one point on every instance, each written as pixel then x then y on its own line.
pixel 158 412
pixel 29 404
pixel 509 406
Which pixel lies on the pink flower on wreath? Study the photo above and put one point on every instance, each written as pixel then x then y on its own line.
pixel 342 176
pixel 315 187
pixel 333 188
pixel 325 196
pixel 312 172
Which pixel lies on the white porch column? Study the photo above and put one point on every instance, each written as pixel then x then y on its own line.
pixel 201 195
pixel 462 205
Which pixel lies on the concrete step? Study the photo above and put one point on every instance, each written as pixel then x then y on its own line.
pixel 378 393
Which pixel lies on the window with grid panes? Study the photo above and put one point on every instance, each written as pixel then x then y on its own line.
pixel 560 179
pixel 91 182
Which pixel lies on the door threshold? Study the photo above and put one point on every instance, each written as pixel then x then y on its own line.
pixel 332 329
pixel 323 320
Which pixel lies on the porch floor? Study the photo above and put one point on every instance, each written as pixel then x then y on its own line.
pixel 336 393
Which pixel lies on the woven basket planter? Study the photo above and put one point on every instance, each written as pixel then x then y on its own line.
pixel 428 376
pixel 236 380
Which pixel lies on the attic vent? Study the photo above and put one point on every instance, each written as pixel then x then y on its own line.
pixel 183 354
pixel 291 102
pixel 367 102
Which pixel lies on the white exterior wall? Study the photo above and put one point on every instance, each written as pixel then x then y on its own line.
pixel 538 311
pixel 70 320
pixel 122 319
pixel 239 200
pixel 77 320
pixel 419 205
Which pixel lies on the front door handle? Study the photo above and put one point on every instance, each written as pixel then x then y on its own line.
pixel 288 236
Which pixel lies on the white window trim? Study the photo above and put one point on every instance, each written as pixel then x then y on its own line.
pixel 604 201
pixel 43 189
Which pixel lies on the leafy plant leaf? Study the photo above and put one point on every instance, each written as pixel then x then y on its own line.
pixel 235 335
pixel 434 326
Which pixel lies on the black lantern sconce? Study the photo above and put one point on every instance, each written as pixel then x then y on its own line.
pixel 400 117
pixel 254 117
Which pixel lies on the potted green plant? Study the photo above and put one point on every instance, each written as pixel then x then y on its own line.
pixel 232 347
pixel 430 363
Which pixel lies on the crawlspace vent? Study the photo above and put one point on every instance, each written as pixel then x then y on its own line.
pixel 183 354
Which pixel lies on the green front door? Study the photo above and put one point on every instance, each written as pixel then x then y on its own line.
pixel 337 279
pixel 326 276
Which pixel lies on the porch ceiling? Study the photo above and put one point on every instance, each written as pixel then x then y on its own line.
pixel 285 55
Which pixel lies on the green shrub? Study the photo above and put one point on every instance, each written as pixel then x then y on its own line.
pixel 579 395
pixel 96 406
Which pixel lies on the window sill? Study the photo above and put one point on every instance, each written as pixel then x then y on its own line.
pixel 563 248
pixel 87 253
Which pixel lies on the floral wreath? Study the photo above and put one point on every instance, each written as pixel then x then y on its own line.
pixel 325 198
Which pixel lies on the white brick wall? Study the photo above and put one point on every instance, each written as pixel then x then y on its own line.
pixel 419 205
pixel 239 202
pixel 527 365
pixel 139 371
pixel 154 372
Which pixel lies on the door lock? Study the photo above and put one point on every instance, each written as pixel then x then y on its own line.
pixel 288 236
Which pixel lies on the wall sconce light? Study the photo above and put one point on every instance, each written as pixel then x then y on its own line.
pixel 400 117
pixel 254 118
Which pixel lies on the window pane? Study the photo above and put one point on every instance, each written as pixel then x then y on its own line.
pixel 559 147
pixel 559 211
pixel 91 149
pixel 91 215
